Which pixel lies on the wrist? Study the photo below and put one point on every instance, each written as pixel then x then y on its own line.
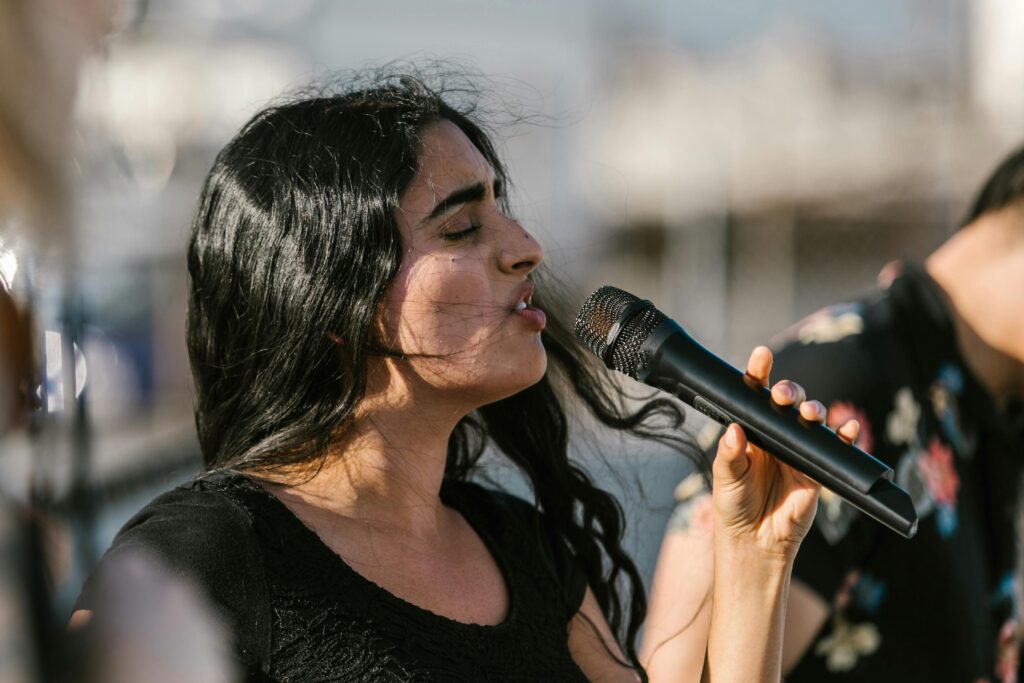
pixel 749 595
pixel 743 551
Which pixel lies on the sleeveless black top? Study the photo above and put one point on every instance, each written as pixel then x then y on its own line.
pixel 299 613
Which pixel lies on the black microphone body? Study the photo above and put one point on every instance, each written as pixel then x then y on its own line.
pixel 644 344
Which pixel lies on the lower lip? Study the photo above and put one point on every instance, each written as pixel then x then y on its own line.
pixel 534 316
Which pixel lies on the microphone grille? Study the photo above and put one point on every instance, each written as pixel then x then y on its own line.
pixel 598 316
pixel 607 308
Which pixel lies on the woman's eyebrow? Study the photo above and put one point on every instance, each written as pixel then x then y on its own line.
pixel 463 195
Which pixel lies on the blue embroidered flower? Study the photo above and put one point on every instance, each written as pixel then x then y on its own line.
pixel 1004 592
pixel 868 593
pixel 952 377
pixel 949 383
pixel 946 520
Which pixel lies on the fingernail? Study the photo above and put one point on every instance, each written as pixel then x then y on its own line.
pixel 786 391
pixel 730 437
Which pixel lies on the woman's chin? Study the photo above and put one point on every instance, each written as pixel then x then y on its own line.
pixel 510 385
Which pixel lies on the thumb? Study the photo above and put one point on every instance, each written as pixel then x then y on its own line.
pixel 731 462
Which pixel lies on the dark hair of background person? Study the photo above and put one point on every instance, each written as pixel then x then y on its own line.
pixel 295 241
pixel 1004 187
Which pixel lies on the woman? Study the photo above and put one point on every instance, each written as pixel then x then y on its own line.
pixel 363 320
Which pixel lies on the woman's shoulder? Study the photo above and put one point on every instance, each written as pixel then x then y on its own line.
pixel 201 531
pixel 203 516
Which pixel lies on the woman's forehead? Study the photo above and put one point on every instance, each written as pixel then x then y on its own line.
pixel 448 159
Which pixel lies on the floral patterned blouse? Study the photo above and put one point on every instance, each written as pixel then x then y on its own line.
pixel 942 606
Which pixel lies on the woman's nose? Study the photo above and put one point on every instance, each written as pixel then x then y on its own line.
pixel 520 252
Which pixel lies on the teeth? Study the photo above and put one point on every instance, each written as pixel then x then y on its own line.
pixel 521 305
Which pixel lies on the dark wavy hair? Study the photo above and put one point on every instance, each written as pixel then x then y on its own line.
pixel 295 240
pixel 1005 186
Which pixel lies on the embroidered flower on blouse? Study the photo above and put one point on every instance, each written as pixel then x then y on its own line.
pixel 842 599
pixel 868 593
pixel 908 478
pixel 830 504
pixel 834 517
pixel 830 325
pixel 1008 651
pixel 1006 592
pixel 936 467
pixel 860 590
pixel 944 391
pixel 940 477
pixel 709 435
pixel 840 412
pixel 901 426
pixel 941 399
pixel 847 643
pixel 693 507
pixel 691 486
pixel 952 377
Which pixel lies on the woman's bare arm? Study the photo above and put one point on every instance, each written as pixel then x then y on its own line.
pixel 593 647
pixel 679 613
pixel 761 511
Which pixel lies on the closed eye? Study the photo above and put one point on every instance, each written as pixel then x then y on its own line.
pixel 460 234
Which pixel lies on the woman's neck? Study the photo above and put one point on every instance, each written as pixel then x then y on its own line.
pixel 386 469
pixel 980 270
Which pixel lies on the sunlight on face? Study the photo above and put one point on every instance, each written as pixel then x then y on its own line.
pixel 459 306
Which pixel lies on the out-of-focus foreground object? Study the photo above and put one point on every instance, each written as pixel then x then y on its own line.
pixel 154 627
pixel 42 43
pixel 42 46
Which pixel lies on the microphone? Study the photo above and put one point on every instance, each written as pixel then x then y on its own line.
pixel 632 336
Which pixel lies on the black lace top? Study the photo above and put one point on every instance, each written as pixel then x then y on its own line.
pixel 299 613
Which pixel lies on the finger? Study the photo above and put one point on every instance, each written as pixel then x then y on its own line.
pixel 731 462
pixel 813 411
pixel 849 432
pixel 787 393
pixel 759 366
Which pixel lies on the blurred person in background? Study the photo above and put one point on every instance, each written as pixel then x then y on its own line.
pixel 363 321
pixel 932 367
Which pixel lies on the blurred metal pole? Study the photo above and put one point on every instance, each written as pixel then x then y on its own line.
pixel 25 629
pixel 83 508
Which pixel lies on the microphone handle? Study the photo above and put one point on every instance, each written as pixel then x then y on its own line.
pixel 680 365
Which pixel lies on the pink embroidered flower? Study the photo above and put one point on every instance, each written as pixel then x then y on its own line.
pixel 1008 651
pixel 840 412
pixel 936 468
pixel 702 517
pixel 842 598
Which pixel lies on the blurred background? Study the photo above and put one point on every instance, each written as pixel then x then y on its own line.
pixel 739 163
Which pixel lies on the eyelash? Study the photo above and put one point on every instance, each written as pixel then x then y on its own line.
pixel 459 235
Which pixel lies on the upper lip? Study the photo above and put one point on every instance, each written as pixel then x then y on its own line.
pixel 524 293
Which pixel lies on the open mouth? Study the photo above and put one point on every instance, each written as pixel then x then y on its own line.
pixel 525 297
